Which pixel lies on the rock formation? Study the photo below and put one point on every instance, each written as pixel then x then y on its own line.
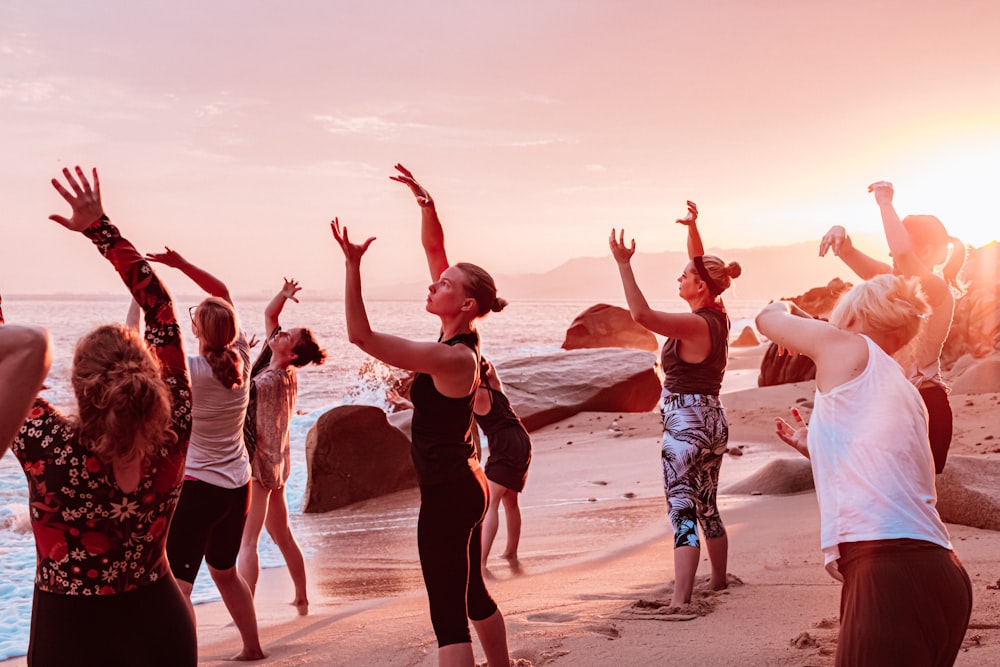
pixel 608 326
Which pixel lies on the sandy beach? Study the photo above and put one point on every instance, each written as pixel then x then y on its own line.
pixel 596 553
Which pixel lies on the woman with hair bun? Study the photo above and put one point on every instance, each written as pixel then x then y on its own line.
pixel 103 486
pixel 919 245
pixel 212 510
pixel 695 429
pixel 906 599
pixel 453 488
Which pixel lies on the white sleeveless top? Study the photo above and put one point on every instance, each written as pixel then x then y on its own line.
pixel 871 460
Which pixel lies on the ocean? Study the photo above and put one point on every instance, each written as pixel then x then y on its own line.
pixel 348 377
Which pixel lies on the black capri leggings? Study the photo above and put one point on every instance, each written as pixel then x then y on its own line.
pixel 939 423
pixel 151 626
pixel 449 530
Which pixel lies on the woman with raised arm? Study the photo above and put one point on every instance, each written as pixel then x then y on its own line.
pixel 208 523
pixel 103 486
pixel 274 391
pixel 508 441
pixel 906 598
pixel 919 244
pixel 453 487
pixel 695 430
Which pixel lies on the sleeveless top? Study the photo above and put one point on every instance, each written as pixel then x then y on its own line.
pixel 441 432
pixel 501 414
pixel 871 460
pixel 680 377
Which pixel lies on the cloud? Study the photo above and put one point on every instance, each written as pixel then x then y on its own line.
pixel 26 92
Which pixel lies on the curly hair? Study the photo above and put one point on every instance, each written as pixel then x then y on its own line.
pixel 124 404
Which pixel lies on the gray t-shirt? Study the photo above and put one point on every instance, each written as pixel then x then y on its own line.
pixel 217 454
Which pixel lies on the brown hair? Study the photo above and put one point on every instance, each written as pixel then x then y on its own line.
pixel 928 235
pixel 217 330
pixel 125 408
pixel 722 274
pixel 307 350
pixel 481 287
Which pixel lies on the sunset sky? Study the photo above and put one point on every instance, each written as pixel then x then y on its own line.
pixel 233 131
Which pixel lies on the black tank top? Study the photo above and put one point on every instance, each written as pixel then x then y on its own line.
pixel 680 377
pixel 441 432
pixel 501 414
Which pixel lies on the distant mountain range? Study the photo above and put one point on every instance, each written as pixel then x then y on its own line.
pixel 769 272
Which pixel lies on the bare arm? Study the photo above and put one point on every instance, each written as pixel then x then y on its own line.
pixel 431 231
pixel 452 367
pixel 865 267
pixel 694 245
pixel 25 358
pixel 274 307
pixel 684 326
pixel 205 280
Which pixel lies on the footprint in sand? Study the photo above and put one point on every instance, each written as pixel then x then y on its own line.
pixel 551 617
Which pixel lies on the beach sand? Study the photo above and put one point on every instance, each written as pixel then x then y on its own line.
pixel 596 552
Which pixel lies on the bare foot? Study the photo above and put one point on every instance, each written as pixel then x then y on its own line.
pixel 515 564
pixel 301 606
pixel 247 655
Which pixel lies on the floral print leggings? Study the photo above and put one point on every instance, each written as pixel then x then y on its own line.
pixel 694 439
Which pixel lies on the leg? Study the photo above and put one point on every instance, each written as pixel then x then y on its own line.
pixel 280 531
pixel 716 429
pixel 492 633
pixel 679 457
pixel 239 601
pixel 491 521
pixel 513 513
pixel 249 561
pixel 718 556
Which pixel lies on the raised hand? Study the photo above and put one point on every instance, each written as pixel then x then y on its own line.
pixel 352 251
pixel 169 258
pixel 882 191
pixel 290 289
pixel 795 436
pixel 406 178
pixel 84 200
pixel 619 250
pixel 836 240
pixel 692 215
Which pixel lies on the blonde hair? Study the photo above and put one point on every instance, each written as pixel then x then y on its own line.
pixel 217 330
pixel 722 274
pixel 887 304
pixel 125 407
pixel 480 286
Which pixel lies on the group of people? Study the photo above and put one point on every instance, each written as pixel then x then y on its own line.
pixel 163 436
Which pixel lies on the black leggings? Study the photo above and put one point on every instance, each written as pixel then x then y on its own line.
pixel 151 626
pixel 208 523
pixel 939 423
pixel 449 534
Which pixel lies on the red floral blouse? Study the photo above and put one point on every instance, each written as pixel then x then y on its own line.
pixel 91 537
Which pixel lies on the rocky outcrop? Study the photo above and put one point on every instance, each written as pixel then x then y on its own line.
pixel 819 301
pixel 781 476
pixel 607 326
pixel 747 338
pixel 967 492
pixel 353 453
pixel 547 388
pixel 785 368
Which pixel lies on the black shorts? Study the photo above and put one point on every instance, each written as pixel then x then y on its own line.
pixel 208 523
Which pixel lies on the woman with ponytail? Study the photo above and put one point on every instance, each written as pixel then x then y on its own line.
pixel 103 486
pixel 695 430
pixel 919 244
pixel 454 491
pixel 906 599
pixel 215 497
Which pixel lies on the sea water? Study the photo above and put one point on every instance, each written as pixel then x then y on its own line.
pixel 348 377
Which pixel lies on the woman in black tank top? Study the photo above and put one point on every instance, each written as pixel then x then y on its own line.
pixel 453 489
pixel 695 430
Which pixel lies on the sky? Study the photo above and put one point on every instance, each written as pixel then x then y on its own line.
pixel 234 131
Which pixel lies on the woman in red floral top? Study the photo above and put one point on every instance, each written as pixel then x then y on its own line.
pixel 103 486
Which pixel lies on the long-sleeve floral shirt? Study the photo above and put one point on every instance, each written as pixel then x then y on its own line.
pixel 91 537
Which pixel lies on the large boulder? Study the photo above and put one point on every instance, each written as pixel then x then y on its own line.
pixel 353 453
pixel 975 329
pixel 967 492
pixel 607 326
pixel 819 301
pixel 548 388
pixel 779 477
pixel 784 368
